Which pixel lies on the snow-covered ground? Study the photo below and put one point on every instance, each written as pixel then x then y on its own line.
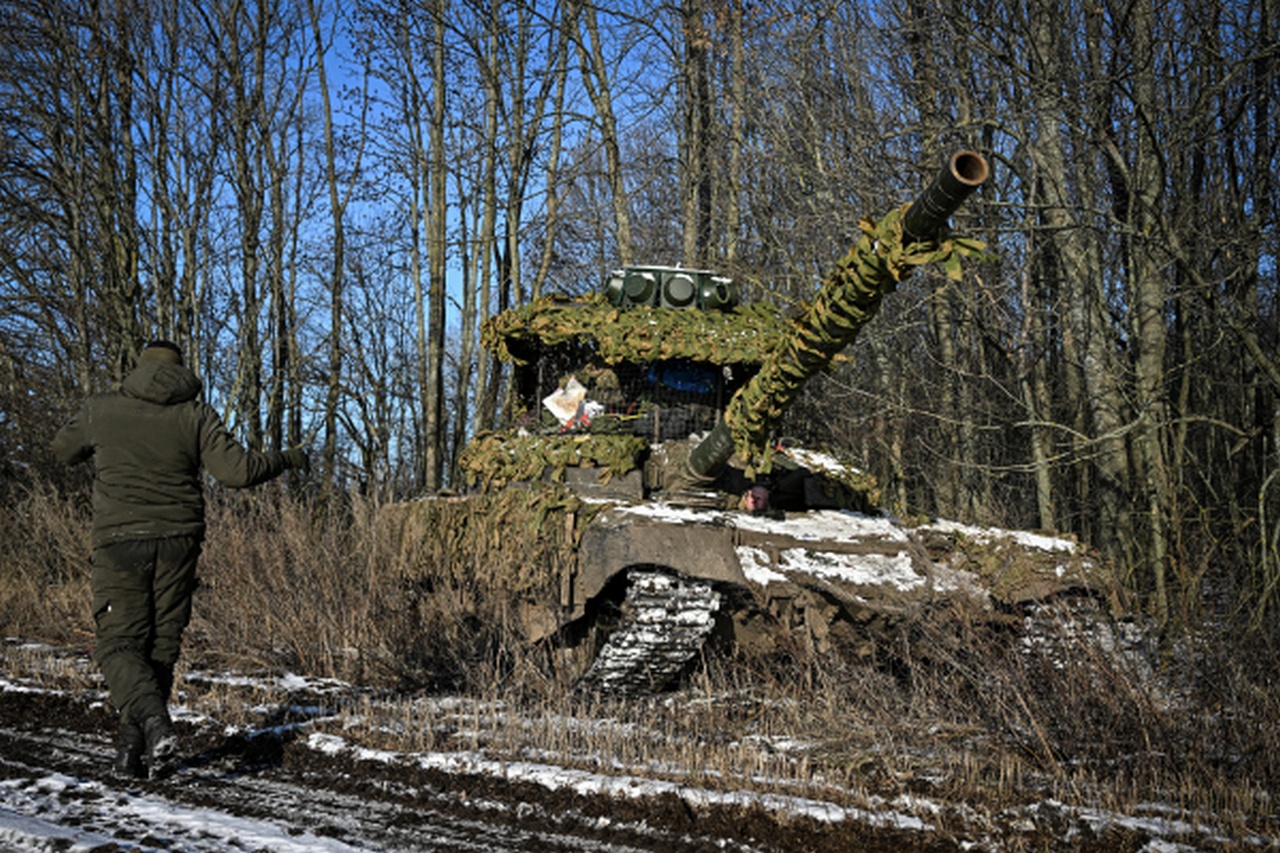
pixel 301 769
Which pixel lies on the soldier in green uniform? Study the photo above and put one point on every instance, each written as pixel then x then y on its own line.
pixel 149 441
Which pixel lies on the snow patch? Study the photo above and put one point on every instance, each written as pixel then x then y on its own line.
pixel 587 783
pixel 895 570
pixel 757 566
pixel 1039 541
pixel 58 812
pixel 869 570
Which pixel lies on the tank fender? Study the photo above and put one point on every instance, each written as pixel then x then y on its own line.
pixel 697 547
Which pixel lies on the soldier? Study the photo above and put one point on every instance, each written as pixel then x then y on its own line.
pixel 149 441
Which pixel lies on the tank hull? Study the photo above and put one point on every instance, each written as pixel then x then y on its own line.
pixel 812 583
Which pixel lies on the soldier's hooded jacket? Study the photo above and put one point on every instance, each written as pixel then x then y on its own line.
pixel 149 440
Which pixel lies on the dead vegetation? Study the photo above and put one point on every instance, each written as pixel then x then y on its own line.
pixel 985 718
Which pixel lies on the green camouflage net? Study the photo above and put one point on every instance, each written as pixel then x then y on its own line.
pixel 464 545
pixel 639 334
pixel 1015 572
pixel 849 298
pixel 494 459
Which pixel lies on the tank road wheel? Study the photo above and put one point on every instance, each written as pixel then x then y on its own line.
pixel 665 620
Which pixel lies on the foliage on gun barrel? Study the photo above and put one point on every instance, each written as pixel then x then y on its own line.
pixel 886 254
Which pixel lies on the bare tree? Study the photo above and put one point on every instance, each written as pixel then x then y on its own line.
pixel 737 87
pixel 596 74
pixel 339 198
pixel 70 179
pixel 182 117
pixel 437 211
pixel 697 138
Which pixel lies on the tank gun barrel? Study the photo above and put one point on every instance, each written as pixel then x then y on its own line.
pixel 928 215
pixel 847 300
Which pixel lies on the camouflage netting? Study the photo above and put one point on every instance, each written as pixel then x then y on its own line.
pixel 743 335
pixel 494 459
pixel 639 412
pixel 463 547
pixel 841 485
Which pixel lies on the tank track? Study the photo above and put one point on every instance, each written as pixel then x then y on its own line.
pixel 666 619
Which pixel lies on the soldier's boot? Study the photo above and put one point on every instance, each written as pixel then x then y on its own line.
pixel 130 747
pixel 161 744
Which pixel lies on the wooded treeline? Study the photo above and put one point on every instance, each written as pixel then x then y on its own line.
pixel 321 203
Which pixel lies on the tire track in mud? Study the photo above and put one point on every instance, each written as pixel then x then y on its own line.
pixel 233 793
pixel 184 811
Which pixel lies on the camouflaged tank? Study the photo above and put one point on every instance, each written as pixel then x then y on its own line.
pixel 636 504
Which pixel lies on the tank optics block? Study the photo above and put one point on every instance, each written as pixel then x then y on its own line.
pixel 670 287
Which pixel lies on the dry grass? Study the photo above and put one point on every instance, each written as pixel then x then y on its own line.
pixel 980 719
pixel 44 566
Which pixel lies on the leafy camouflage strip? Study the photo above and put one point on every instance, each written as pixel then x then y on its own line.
pixel 460 549
pixel 848 300
pixel 743 335
pixel 494 459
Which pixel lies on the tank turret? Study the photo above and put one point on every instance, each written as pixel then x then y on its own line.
pixel 665 353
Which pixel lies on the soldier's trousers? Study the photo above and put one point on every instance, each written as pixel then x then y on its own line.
pixel 142 592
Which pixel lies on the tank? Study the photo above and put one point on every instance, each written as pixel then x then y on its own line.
pixel 639 502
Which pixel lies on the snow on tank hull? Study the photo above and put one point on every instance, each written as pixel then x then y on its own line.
pixel 817 582
pixel 631 591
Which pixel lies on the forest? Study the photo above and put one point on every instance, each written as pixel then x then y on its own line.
pixel 323 202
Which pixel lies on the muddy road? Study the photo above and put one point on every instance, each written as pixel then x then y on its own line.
pixel 271 791
pixel 285 763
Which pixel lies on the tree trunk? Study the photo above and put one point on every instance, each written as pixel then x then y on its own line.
pixel 437 224
pixel 737 133
pixel 249 135
pixel 1054 220
pixel 115 189
pixel 337 272
pixel 695 147
pixel 596 75
pixel 1137 187
pixel 1102 373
